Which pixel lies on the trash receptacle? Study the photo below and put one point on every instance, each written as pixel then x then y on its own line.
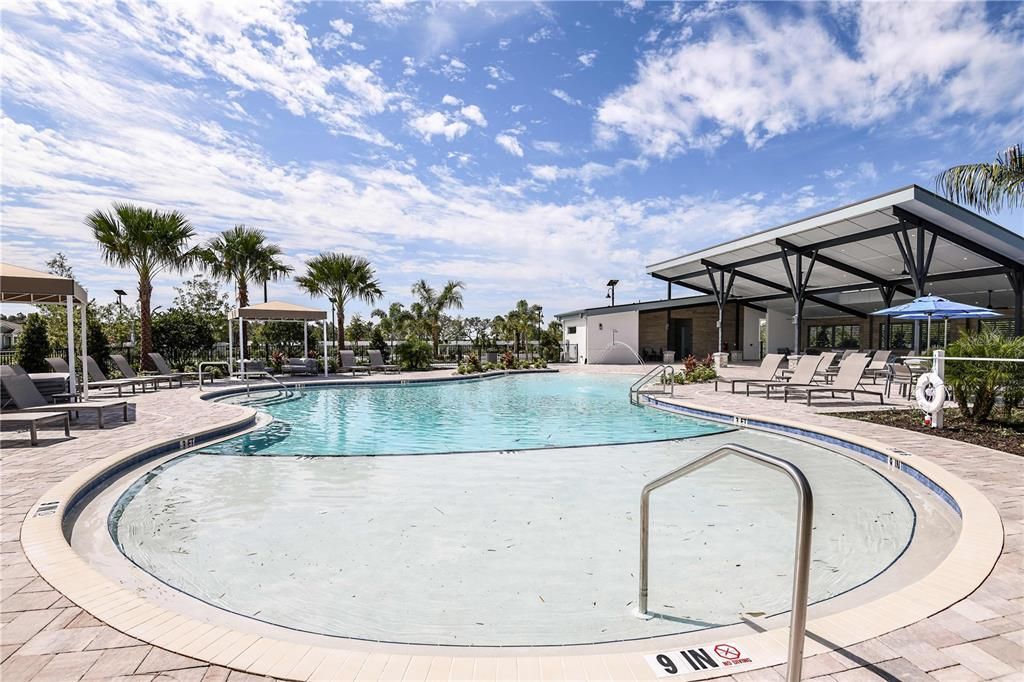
pixel 668 357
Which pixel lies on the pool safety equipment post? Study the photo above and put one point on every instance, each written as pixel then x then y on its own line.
pixel 801 570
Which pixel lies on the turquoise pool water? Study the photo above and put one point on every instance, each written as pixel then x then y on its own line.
pixel 518 412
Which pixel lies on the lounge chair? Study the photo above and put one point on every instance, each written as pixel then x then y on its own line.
pixel 61 365
pixel 34 419
pixel 299 366
pixel 165 369
pixel 28 399
pixel 53 387
pixel 831 372
pixel 99 380
pixel 129 373
pixel 851 373
pixel 377 362
pixel 803 375
pixel 348 363
pixel 879 366
pixel 901 375
pixel 766 372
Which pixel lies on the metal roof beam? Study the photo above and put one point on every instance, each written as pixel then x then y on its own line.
pixel 843 267
pixel 954 238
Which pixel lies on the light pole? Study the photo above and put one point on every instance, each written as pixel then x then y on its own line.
pixel 120 312
pixel 611 290
pixel 333 321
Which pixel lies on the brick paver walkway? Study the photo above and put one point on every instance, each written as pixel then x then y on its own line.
pixel 44 636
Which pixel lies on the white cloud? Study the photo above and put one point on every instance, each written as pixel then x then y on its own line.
pixel 454 68
pixel 509 143
pixel 473 113
pixel 548 146
pixel 635 4
pixel 747 80
pixel 436 123
pixel 503 43
pixel 566 97
pixel 585 174
pixel 545 173
pixel 587 59
pixel 451 100
pixel 498 73
pixel 341 26
pixel 544 33
pixel 867 171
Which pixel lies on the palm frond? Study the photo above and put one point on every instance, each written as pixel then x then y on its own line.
pixel 987 187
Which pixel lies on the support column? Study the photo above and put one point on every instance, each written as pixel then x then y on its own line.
pixel 1016 278
pixel 72 377
pixel 669 294
pixel 798 282
pixel 85 351
pixel 917 265
pixel 305 339
pixel 721 289
pixel 241 345
pixel 325 347
pixel 888 293
pixel 231 349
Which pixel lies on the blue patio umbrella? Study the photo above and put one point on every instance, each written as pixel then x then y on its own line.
pixel 927 307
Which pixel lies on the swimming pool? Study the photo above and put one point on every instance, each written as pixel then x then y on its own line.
pixel 517 412
pixel 516 546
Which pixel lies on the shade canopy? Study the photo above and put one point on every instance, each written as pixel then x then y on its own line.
pixel 277 310
pixel 928 307
pixel 23 285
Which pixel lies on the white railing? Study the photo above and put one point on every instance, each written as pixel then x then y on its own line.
pixel 666 375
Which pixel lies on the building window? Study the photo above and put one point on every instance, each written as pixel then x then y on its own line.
pixel 570 330
pixel 834 336
pixel 1004 326
pixel 902 335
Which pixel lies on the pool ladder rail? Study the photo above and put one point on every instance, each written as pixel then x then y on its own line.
pixel 804 521
pixel 666 375
pixel 289 392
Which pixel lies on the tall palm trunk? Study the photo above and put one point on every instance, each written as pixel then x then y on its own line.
pixel 243 301
pixel 341 330
pixel 145 322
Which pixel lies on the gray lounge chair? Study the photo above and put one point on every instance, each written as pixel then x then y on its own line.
pixel 61 365
pixel 27 399
pixel 299 366
pixel 803 375
pixel 34 420
pixel 879 366
pixel 851 373
pixel 348 363
pixel 129 372
pixel 766 372
pixel 377 362
pixel 98 379
pixel 165 369
pixel 53 387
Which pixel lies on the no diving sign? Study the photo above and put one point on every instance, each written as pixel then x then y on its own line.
pixel 699 659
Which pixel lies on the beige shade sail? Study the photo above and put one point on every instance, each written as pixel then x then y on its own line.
pixel 22 285
pixel 277 310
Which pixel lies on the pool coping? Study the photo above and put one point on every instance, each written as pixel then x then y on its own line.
pixel 966 566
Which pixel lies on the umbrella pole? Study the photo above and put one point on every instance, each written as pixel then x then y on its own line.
pixel 945 333
pixel 928 343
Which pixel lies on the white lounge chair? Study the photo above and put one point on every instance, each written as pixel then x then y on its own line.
pixel 766 372
pixel 851 373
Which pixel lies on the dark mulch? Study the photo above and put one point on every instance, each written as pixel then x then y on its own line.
pixel 998 435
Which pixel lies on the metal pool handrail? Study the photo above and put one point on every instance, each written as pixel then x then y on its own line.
pixel 668 376
pixel 801 569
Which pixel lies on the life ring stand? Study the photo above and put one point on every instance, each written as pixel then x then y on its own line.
pixel 930 382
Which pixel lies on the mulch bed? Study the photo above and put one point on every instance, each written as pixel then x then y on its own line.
pixel 998 435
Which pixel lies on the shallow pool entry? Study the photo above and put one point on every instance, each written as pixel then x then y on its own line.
pixel 535 547
pixel 512 413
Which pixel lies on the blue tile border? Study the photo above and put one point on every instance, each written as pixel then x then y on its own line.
pixel 871 453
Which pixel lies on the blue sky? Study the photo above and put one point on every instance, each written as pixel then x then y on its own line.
pixel 530 149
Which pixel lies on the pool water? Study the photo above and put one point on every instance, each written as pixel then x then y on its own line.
pixel 505 542
pixel 516 412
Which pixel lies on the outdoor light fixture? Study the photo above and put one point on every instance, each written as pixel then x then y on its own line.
pixel 611 290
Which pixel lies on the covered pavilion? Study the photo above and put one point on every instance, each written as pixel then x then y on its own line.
pixel 274 311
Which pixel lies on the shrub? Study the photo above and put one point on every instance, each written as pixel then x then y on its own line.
pixel 414 354
pixel 701 374
pixel 975 385
pixel 689 364
pixel 33 345
pixel 470 364
pixel 98 344
pixel 277 361
pixel 509 360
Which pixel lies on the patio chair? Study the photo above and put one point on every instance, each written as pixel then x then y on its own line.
pixel 803 375
pixel 848 378
pixel 348 363
pixel 52 386
pixel 61 365
pixel 766 372
pixel 165 369
pixel 900 375
pixel 28 399
pixel 831 372
pixel 299 366
pixel 99 380
pixel 377 362
pixel 129 373
pixel 34 420
pixel 879 366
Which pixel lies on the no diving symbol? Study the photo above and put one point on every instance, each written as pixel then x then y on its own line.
pixel 727 651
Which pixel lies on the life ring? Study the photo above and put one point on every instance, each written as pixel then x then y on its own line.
pixel 930 382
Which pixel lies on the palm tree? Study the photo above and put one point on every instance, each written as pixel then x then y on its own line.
pixel 523 319
pixel 243 255
pixel 343 278
pixel 393 323
pixel 432 303
pixel 148 242
pixel 988 187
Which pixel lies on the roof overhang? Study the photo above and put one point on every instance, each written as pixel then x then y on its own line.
pixel 277 311
pixel 23 285
pixel 855 253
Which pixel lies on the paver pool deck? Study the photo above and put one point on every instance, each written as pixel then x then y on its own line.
pixel 46 636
